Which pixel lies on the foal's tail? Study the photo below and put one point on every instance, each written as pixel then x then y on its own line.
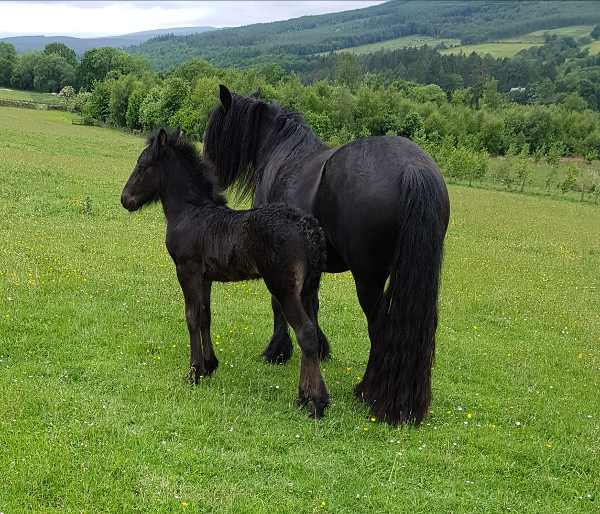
pixel 397 382
pixel 317 251
pixel 317 256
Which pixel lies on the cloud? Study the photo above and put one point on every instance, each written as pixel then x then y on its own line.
pixel 93 19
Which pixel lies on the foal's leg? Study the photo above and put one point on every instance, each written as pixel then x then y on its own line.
pixel 190 280
pixel 311 306
pixel 209 358
pixel 311 386
pixel 280 346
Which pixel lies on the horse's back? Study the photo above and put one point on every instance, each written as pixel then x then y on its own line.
pixel 358 198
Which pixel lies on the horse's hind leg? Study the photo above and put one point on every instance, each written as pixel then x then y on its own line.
pixel 280 347
pixel 369 289
pixel 311 386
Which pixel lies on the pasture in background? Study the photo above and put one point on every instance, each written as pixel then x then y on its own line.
pixel 508 47
pixel 96 414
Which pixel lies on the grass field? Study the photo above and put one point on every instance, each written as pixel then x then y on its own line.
pixel 96 417
pixel 398 44
pixel 499 49
pixel 31 96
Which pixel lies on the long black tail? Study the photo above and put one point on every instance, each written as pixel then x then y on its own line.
pixel 397 382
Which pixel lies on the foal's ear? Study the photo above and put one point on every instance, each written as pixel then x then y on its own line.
pixel 256 94
pixel 161 140
pixel 177 135
pixel 225 97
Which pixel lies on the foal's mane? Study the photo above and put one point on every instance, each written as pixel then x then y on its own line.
pixel 201 172
pixel 232 141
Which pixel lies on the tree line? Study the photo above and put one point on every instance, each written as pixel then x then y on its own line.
pixel 460 128
pixel 56 66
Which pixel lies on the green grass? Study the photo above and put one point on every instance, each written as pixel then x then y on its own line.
pixel 536 183
pixel 30 96
pixel 398 44
pixel 96 416
pixel 574 31
pixel 498 49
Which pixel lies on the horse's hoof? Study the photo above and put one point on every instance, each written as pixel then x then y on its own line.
pixel 275 358
pixel 301 400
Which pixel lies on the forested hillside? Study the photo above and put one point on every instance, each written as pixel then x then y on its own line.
pixel 287 43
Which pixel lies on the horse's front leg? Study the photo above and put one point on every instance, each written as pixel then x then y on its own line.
pixel 190 280
pixel 210 361
pixel 280 347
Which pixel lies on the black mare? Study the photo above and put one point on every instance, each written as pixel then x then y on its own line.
pixel 209 242
pixel 384 207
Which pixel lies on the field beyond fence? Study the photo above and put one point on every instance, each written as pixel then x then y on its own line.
pixel 97 417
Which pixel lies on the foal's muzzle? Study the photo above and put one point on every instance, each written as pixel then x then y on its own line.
pixel 128 202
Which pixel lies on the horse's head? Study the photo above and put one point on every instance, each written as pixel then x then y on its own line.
pixel 144 184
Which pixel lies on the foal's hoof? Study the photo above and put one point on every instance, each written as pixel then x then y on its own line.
pixel 210 366
pixel 316 411
pixel 193 375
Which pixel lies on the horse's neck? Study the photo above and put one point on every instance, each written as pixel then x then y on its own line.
pixel 273 157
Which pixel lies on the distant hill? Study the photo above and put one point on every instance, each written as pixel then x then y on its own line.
pixel 81 45
pixel 292 42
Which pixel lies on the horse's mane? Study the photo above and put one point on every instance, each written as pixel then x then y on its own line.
pixel 233 137
pixel 202 173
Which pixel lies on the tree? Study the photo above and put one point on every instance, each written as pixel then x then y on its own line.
pixel 67 93
pixel 348 71
pixel 198 106
pixel 553 159
pixel 273 73
pixel 474 95
pixel 193 70
pixel 97 63
pixel 149 113
pixel 595 34
pixel 23 74
pixel 587 182
pixel 120 90
pixel 523 171
pixel 503 173
pixel 571 179
pixel 132 116
pixel 574 102
pixel 429 93
pixel 465 163
pixel 62 50
pixel 412 124
pixel 51 72
pixel 491 97
pixel 97 105
pixel 320 124
pixel 8 60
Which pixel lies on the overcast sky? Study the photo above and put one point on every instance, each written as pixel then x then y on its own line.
pixel 109 18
